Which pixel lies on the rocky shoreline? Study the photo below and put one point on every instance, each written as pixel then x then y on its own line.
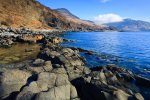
pixel 60 73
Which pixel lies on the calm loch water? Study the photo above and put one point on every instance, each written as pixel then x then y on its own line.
pixel 18 53
pixel 128 49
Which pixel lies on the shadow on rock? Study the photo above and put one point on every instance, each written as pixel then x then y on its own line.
pixel 87 91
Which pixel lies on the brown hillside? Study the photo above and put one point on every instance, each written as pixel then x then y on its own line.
pixel 29 13
pixel 32 14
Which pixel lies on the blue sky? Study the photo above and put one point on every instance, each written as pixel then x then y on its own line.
pixel 97 9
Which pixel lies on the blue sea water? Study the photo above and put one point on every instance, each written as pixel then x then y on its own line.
pixel 127 49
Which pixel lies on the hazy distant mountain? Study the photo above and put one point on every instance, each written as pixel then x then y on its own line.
pixel 131 25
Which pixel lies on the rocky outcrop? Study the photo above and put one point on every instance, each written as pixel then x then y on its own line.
pixel 60 73
pixel 31 38
pixel 106 84
pixel 11 81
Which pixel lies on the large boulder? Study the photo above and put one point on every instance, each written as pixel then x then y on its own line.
pixel 46 80
pixel 64 92
pixel 11 81
pixel 28 92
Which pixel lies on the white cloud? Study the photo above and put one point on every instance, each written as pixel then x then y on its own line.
pixel 107 18
pixel 104 1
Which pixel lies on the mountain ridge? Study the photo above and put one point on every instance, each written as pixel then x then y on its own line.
pixel 131 25
pixel 71 17
pixel 32 14
pixel 66 11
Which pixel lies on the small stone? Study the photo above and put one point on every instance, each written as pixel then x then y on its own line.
pixel 38 62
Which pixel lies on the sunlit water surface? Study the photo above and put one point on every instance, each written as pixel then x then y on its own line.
pixel 128 49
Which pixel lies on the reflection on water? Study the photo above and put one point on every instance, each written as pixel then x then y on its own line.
pixel 18 52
